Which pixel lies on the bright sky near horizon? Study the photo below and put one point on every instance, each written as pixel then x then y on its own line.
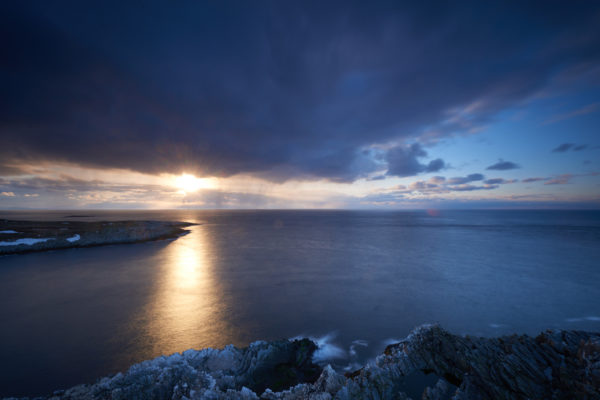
pixel 300 105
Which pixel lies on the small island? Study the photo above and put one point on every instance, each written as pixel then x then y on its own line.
pixel 31 236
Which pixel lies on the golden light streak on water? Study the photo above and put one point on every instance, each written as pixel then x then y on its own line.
pixel 188 307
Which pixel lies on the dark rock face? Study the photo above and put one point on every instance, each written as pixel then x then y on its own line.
pixel 554 365
pixel 29 236
pixel 287 364
pixel 559 364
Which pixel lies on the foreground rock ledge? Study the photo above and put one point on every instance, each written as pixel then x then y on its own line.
pixel 30 236
pixel 553 365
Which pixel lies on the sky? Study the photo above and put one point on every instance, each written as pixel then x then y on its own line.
pixel 299 104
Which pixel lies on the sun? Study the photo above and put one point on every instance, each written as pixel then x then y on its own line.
pixel 189 183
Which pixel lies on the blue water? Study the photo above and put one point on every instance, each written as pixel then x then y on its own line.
pixel 356 280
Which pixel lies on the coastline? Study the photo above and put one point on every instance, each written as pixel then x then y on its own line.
pixel 17 237
pixel 554 364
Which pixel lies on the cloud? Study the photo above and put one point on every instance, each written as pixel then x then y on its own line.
pixel 403 161
pixel 278 90
pixel 466 179
pixel 7 194
pixel 435 165
pixel 590 108
pixel 439 185
pixel 10 170
pixel 421 185
pixel 469 188
pixel 563 148
pixel 503 166
pixel 529 180
pixel 560 180
pixel 499 181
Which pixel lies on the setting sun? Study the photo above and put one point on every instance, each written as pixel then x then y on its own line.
pixel 189 183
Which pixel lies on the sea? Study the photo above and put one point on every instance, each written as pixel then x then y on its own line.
pixel 354 281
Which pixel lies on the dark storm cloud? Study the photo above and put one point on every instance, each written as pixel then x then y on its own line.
pixel 277 89
pixel 404 161
pixel 503 166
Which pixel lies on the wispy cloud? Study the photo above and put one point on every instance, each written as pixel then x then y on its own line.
pixel 560 180
pixel 536 179
pixel 464 188
pixel 590 108
pixel 563 148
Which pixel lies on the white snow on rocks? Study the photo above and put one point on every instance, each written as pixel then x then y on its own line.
pixel 74 238
pixel 26 241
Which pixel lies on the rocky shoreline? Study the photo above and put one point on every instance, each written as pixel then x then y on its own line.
pixel 553 365
pixel 31 236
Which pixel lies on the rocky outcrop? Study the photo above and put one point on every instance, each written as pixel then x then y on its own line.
pixel 553 365
pixel 28 236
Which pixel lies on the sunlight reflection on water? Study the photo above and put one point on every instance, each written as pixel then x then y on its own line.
pixel 188 306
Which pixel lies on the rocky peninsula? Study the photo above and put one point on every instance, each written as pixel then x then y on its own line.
pixel 29 236
pixel 553 365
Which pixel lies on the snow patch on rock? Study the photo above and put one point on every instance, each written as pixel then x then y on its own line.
pixel 74 238
pixel 26 241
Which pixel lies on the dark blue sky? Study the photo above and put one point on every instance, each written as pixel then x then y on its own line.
pixel 373 96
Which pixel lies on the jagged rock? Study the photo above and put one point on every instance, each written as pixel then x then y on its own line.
pixel 559 364
pixel 554 365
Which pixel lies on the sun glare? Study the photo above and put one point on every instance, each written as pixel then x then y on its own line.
pixel 189 183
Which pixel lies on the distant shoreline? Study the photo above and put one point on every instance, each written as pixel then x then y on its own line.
pixel 17 237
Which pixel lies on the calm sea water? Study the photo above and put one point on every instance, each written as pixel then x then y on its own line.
pixel 355 280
